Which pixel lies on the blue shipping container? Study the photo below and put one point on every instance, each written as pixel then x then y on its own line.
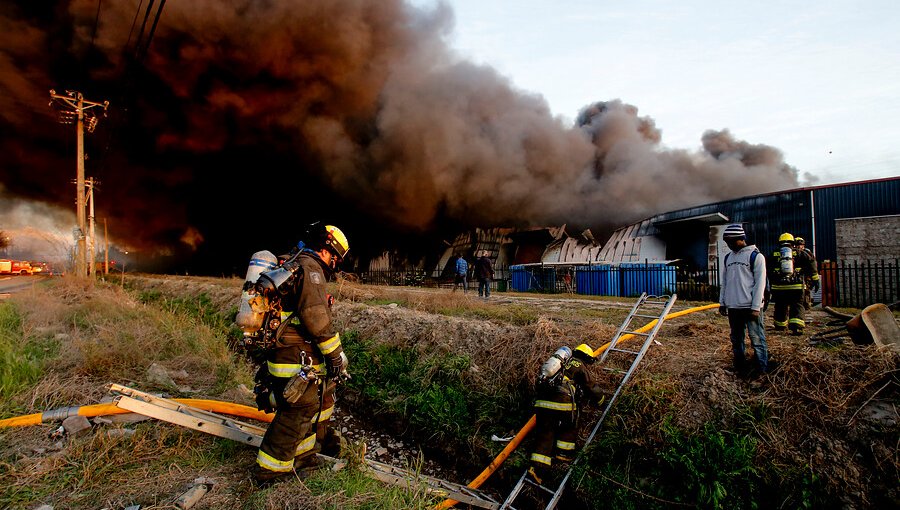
pixel 601 280
pixel 655 279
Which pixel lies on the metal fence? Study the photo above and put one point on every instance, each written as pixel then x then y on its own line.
pixel 412 277
pixel 843 284
pixel 860 284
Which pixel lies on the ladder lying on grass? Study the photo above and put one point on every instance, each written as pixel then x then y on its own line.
pixel 613 355
pixel 223 426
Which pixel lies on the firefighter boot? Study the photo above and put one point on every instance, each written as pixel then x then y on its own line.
pixel 263 477
pixel 306 465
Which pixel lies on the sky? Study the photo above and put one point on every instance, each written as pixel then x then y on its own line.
pixel 818 80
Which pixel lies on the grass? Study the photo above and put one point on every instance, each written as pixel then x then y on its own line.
pixel 430 391
pixel 101 471
pixel 748 449
pixel 22 357
pixel 345 489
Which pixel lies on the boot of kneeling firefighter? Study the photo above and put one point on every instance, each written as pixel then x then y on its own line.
pixel 557 409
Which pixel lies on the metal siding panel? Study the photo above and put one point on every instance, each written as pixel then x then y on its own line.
pixel 878 198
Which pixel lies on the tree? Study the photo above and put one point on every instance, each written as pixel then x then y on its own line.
pixel 5 241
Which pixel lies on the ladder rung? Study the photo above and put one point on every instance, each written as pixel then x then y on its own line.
pixel 616 370
pixel 539 486
pixel 635 333
pixel 646 316
pixel 624 350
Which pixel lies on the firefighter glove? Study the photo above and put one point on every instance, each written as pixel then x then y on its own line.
pixel 723 310
pixel 814 285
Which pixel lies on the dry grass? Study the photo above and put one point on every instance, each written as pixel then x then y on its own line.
pixel 103 335
pixel 810 414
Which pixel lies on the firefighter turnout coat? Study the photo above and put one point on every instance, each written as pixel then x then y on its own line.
pixel 557 408
pixel 309 344
pixel 788 289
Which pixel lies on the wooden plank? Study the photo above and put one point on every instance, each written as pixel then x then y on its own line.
pixel 219 427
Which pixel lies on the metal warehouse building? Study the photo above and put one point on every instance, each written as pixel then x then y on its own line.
pixel 815 213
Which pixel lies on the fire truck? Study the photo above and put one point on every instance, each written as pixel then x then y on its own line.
pixel 15 267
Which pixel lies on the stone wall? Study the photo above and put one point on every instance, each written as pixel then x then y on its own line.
pixel 868 239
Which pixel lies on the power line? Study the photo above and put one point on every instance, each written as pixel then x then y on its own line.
pixel 133 23
pixel 137 43
pixel 96 23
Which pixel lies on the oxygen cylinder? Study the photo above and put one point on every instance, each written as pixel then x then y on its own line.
pixel 253 307
pixel 554 363
pixel 786 260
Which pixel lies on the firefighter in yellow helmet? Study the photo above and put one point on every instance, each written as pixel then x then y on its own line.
pixel 298 378
pixel 563 387
pixel 787 286
pixel 809 269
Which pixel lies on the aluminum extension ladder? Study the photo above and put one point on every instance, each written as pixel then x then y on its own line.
pixel 662 305
pixel 172 411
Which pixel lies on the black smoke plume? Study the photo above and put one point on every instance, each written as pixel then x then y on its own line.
pixel 248 119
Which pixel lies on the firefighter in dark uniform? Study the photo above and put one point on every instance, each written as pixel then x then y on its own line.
pixel 302 368
pixel 557 407
pixel 810 269
pixel 788 272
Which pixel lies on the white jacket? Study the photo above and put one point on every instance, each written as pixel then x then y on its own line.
pixel 742 287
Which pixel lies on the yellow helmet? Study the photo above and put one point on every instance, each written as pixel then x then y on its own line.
pixel 337 241
pixel 586 350
pixel 799 240
pixel 786 238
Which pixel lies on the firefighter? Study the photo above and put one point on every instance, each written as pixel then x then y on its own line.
pixel 560 394
pixel 809 268
pixel 306 361
pixel 787 286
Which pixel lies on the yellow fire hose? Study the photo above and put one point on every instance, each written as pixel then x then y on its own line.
pixel 520 436
pixel 91 411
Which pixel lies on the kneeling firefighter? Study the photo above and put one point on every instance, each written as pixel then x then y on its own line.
pixel 563 386
pixel 303 360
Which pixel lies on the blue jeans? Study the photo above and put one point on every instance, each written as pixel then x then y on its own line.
pixel 741 320
pixel 484 288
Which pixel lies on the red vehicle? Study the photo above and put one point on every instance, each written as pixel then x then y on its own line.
pixel 5 266
pixel 22 267
pixel 39 267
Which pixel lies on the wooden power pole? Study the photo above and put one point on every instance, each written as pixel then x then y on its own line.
pixel 92 245
pixel 106 251
pixel 74 109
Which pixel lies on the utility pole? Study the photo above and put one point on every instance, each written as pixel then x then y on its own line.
pixel 91 183
pixel 106 252
pixel 72 108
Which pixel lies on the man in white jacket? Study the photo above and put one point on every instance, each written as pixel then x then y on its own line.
pixel 741 297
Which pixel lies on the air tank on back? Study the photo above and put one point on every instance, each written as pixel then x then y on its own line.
pixel 786 260
pixel 554 363
pixel 250 310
